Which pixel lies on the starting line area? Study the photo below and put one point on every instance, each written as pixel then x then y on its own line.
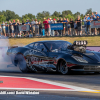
pixel 27 83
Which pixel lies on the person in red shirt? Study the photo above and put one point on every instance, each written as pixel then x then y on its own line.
pixel 46 26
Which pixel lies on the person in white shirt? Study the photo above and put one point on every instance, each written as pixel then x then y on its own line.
pixel 33 25
pixel 36 27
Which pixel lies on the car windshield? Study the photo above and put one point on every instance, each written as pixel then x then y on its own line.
pixel 55 46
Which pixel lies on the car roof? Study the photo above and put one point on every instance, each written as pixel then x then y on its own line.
pixel 49 41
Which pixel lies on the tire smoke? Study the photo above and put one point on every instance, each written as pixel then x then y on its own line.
pixel 5 61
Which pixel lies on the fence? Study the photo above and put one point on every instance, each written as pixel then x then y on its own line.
pixel 54 29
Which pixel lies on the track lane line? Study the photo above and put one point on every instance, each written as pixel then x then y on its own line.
pixel 75 88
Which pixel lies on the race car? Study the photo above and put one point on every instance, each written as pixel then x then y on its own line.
pixel 58 55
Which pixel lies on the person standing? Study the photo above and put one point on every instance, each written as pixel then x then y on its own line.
pixel 6 29
pixel 72 27
pixel 14 26
pixel 45 22
pixel 33 26
pixel 75 27
pixel 3 28
pixel 66 23
pixel 17 28
pixel 0 30
pixel 79 22
pixel 88 24
pixel 10 29
pixel 51 31
pixel 59 31
pixel 85 23
pixel 36 28
pixel 40 28
pixel 69 33
pixel 96 14
pixel 62 31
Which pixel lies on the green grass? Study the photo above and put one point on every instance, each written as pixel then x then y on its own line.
pixel 92 41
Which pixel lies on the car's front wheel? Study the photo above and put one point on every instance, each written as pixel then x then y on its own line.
pixel 63 68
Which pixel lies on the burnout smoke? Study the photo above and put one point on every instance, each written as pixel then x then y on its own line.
pixel 5 62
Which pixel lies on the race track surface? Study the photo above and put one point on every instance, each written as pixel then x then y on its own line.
pixel 84 80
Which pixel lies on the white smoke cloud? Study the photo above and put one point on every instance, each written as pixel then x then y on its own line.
pixel 5 61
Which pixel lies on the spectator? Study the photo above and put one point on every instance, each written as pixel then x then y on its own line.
pixel 7 33
pixel 72 27
pixel 36 27
pixel 49 26
pixel 79 21
pixel 51 31
pixel 55 31
pixel 61 21
pixel 75 27
pixel 40 28
pixel 59 31
pixel 98 18
pixel 45 22
pixel 88 24
pixel 14 26
pixel 23 23
pixel 94 29
pixel 85 23
pixel 3 29
pixel 28 23
pixel 10 30
pixel 97 14
pixel 0 30
pixel 66 25
pixel 17 29
pixel 92 15
pixel 33 26
pixel 24 32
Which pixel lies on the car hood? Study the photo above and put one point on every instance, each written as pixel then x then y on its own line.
pixel 90 56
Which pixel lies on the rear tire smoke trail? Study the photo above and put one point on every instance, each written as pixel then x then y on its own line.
pixel 5 60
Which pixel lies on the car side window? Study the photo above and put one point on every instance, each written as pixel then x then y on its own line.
pixel 40 47
pixel 31 45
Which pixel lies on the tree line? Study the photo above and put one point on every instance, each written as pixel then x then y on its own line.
pixel 11 15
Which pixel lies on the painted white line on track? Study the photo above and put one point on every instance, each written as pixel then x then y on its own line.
pixel 72 88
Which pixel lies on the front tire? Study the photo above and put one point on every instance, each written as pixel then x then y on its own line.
pixel 63 68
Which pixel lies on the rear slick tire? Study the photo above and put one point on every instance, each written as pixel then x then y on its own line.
pixel 22 63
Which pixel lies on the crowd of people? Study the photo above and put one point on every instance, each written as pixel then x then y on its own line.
pixel 36 28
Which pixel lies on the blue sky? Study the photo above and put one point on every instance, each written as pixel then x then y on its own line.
pixel 22 7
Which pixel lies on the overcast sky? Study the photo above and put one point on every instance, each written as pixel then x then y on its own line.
pixel 22 7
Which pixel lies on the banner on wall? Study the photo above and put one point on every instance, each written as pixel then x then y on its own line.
pixel 95 24
pixel 56 26
pixel 23 27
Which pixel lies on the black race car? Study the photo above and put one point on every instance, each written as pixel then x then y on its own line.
pixel 60 56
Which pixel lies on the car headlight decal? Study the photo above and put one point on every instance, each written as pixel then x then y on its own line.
pixel 79 59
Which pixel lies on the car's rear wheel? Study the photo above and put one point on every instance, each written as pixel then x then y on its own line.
pixel 23 65
pixel 63 68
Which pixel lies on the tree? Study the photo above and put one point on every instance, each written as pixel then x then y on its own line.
pixel 43 14
pixel 2 18
pixel 57 14
pixel 89 11
pixel 66 12
pixel 69 17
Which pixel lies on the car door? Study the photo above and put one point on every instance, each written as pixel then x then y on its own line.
pixel 41 55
